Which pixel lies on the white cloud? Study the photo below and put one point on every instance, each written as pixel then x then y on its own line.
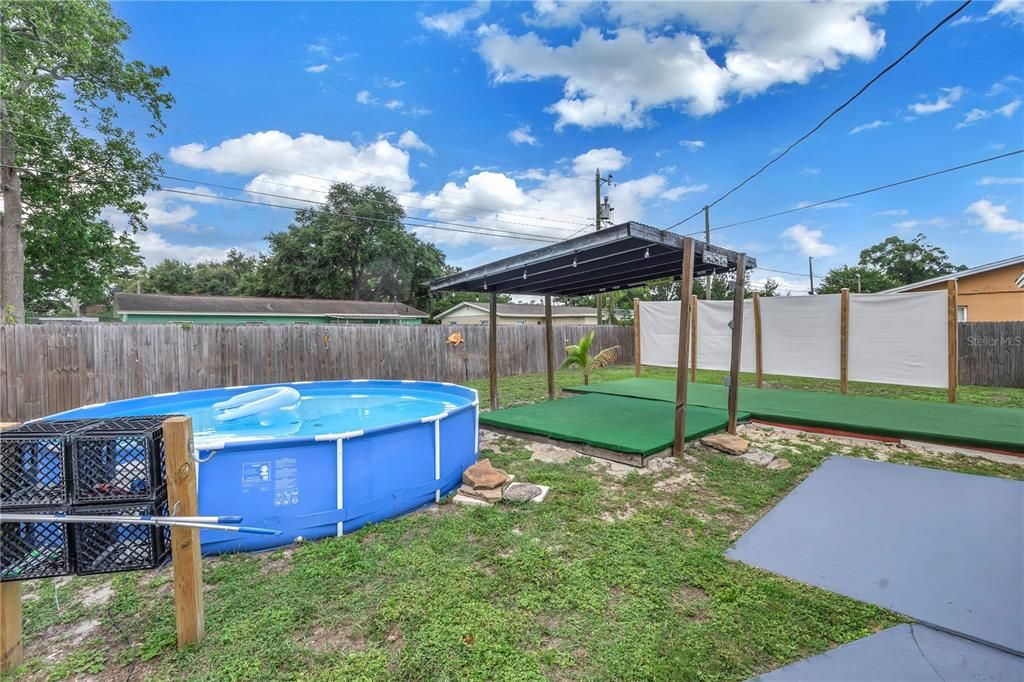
pixel 946 100
pixel 975 115
pixel 1008 110
pixel 550 13
pixel 916 224
pixel 453 23
pixel 388 83
pixel 316 68
pixel 807 170
pixel 154 248
pixel 616 79
pixel 522 135
pixel 1014 9
pixel 304 166
pixel 692 145
pixel 991 180
pixel 993 217
pixel 674 193
pixel 420 111
pixel 1002 85
pixel 868 126
pixel 410 140
pixel 808 241
pixel 365 97
pixel 393 104
pixel 892 212
pixel 606 158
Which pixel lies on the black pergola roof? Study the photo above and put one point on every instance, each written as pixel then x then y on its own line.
pixel 618 257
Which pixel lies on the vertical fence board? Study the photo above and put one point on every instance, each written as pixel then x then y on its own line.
pixel 991 354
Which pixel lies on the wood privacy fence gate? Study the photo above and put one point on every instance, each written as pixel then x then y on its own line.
pixel 50 368
pixel 991 353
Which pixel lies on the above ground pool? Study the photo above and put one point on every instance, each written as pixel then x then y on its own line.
pixel 314 459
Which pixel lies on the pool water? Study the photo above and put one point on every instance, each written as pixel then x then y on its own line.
pixel 320 410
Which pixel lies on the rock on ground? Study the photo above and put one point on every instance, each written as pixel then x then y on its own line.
pixel 726 442
pixel 484 475
pixel 779 464
pixel 758 457
pixel 525 492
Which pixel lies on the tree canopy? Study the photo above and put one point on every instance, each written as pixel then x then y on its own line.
pixel 64 157
pixel 891 263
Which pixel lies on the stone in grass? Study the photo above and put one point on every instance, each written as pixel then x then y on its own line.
pixel 469 501
pixel 526 492
pixel 779 464
pixel 758 457
pixel 485 494
pixel 484 475
pixel 726 442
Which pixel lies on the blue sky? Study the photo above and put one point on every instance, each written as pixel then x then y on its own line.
pixel 495 116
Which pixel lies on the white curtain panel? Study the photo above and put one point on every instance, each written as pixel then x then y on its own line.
pixel 899 338
pixel 893 338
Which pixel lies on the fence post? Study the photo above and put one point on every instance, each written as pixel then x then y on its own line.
pixel 492 350
pixel 636 337
pixel 549 346
pixel 844 339
pixel 951 339
pixel 183 500
pixel 693 338
pixel 758 368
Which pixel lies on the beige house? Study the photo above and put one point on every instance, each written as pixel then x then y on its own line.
pixel 470 312
pixel 993 292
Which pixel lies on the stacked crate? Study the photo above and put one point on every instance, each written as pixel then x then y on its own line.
pixel 91 467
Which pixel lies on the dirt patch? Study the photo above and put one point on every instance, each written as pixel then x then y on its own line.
pixel 328 639
pixel 552 454
pixel 691 602
pixel 278 563
pixel 100 596
pixel 686 479
pixel 57 643
pixel 617 515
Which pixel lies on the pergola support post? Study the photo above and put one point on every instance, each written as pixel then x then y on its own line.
pixel 683 355
pixel 549 346
pixel 636 337
pixel 492 351
pixel 737 341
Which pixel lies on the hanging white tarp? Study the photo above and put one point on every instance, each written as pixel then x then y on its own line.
pixel 893 338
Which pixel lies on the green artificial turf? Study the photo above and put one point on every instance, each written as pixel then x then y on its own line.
pixel 969 425
pixel 608 421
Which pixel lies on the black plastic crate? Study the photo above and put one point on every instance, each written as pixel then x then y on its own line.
pixel 35 550
pixel 119 460
pixel 116 547
pixel 34 463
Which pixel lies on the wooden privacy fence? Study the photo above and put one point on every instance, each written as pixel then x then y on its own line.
pixel 991 353
pixel 50 368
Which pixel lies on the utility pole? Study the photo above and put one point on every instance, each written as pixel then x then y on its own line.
pixel 810 272
pixel 597 222
pixel 707 240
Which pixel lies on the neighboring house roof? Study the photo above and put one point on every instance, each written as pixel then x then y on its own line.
pixel 1006 262
pixel 250 305
pixel 525 309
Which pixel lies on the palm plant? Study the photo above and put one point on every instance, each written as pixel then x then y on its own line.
pixel 578 355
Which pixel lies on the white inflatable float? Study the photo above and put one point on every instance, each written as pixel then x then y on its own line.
pixel 258 402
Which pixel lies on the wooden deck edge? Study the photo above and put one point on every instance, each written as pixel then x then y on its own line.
pixel 631 459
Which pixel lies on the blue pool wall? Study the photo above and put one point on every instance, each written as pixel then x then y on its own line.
pixel 329 484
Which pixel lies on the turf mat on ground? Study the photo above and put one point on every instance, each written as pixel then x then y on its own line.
pixel 1001 428
pixel 607 421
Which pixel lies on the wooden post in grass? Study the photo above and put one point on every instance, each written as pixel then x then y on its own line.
pixel 693 338
pixel 492 350
pixel 737 341
pixel 758 358
pixel 183 500
pixel 636 337
pixel 12 650
pixel 549 345
pixel 951 338
pixel 10 629
pixel 844 339
pixel 683 356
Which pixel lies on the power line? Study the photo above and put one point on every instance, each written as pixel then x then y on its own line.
pixel 835 111
pixel 426 222
pixel 862 192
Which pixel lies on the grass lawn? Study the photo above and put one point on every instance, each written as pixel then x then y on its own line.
pixel 618 575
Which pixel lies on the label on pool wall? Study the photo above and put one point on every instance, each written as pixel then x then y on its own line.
pixel 286 483
pixel 256 477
